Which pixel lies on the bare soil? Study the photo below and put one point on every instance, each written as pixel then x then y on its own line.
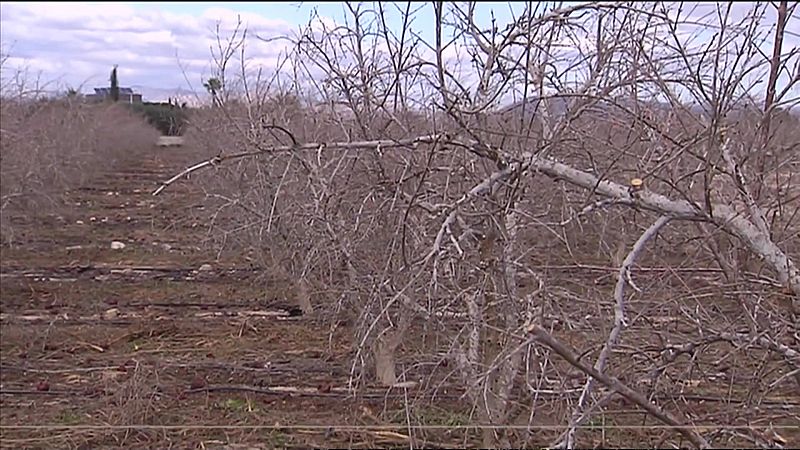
pixel 145 347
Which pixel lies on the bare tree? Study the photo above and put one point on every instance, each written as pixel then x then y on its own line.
pixel 584 182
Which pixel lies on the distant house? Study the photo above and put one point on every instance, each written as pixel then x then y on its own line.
pixel 125 95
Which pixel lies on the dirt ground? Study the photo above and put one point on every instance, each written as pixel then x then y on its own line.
pixel 162 335
pixel 166 344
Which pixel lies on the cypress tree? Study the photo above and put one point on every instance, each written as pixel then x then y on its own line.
pixel 114 85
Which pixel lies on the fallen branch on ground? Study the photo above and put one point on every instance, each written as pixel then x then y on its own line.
pixel 541 335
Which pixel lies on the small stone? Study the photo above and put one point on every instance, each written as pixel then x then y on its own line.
pixel 111 314
pixel 117 245
pixel 205 268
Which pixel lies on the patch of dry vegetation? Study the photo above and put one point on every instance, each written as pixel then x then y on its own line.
pixel 492 247
pixel 51 146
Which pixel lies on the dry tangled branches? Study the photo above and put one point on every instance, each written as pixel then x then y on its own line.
pixel 468 202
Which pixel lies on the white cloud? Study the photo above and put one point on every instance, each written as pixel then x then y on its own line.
pixel 33 65
pixel 228 19
pixel 78 43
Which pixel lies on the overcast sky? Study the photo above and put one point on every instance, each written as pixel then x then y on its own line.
pixel 155 44
pixel 162 45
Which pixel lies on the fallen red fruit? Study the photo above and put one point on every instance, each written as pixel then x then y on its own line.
pixel 197 383
pixel 42 386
